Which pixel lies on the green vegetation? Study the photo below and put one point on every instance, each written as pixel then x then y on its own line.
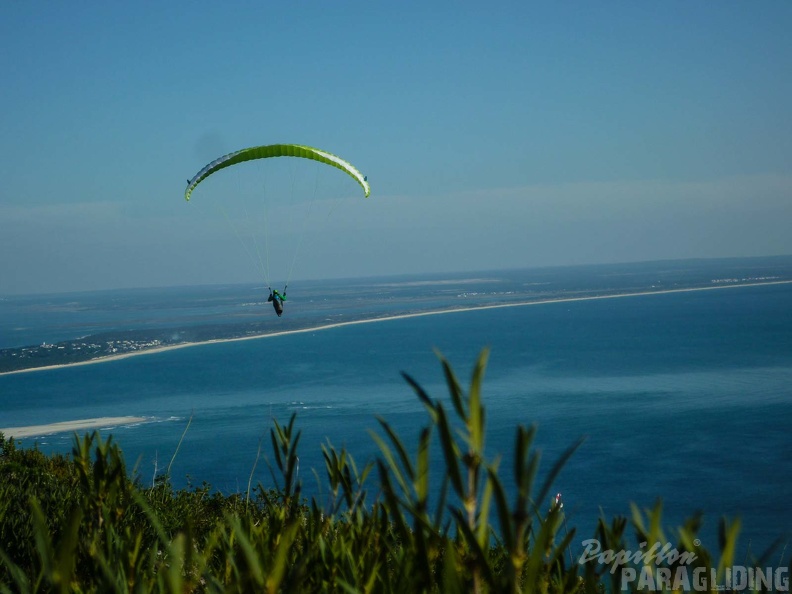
pixel 81 524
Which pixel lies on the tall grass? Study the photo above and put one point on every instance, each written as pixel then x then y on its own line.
pixel 82 524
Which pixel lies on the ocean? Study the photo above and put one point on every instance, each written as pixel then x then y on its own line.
pixel 682 395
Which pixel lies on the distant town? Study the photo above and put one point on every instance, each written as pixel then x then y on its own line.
pixel 116 344
pixel 73 351
pixel 129 342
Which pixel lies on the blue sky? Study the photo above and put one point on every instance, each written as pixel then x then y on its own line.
pixel 494 135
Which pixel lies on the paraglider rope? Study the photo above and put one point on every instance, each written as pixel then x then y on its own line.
pixel 265 271
pixel 304 226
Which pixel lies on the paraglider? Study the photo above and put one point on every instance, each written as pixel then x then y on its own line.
pixel 277 300
pixel 271 151
pixel 277 150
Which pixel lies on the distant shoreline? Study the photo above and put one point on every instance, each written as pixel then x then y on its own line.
pixel 449 310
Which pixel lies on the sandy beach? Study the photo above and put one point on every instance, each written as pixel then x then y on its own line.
pixel 68 426
pixel 162 349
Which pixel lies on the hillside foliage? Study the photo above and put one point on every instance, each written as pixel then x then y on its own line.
pixel 81 523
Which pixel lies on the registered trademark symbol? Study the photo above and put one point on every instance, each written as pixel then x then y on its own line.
pixel 697 542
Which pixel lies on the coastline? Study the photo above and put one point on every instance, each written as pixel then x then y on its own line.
pixel 317 328
pixel 65 426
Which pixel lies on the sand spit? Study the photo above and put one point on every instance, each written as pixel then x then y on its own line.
pixel 69 426
pixel 450 310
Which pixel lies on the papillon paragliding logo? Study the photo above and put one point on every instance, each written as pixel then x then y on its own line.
pixel 663 568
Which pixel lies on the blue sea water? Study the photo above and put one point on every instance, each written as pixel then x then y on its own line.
pixel 685 396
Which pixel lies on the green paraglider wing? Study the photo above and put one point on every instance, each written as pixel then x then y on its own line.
pixel 277 150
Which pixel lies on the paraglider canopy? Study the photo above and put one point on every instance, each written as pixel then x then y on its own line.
pixel 277 150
